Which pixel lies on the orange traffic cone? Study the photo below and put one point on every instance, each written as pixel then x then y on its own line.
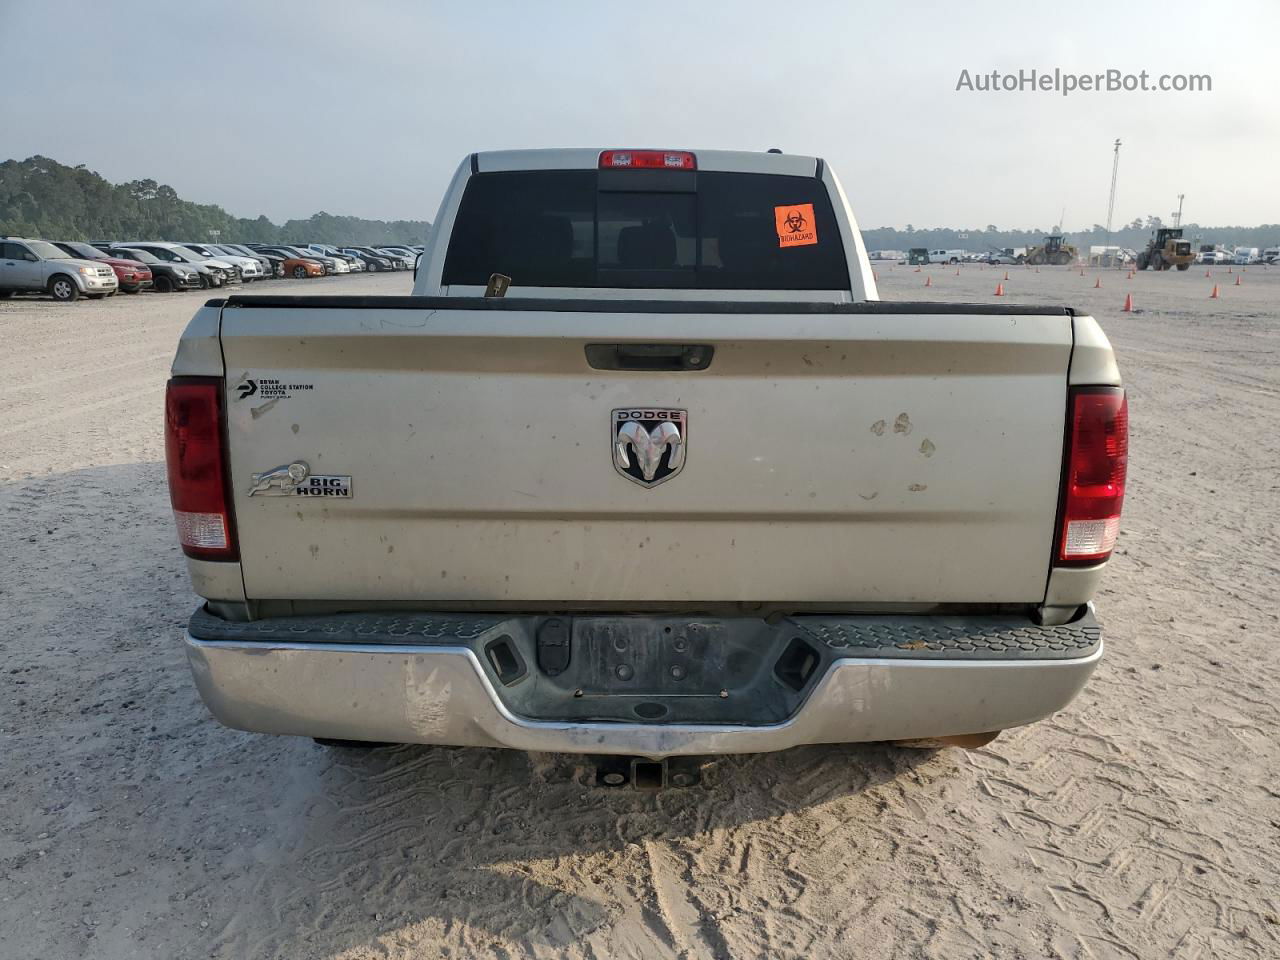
pixel 1097 284
pixel 1006 274
pixel 928 281
pixel 917 269
pixel 1237 279
pixel 1037 269
pixel 1082 271
pixel 999 289
pixel 1128 303
pixel 1228 269
pixel 1214 295
pixel 957 271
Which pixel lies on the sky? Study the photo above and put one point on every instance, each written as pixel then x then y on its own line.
pixel 366 107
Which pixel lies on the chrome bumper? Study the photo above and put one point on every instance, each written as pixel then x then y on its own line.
pixel 442 694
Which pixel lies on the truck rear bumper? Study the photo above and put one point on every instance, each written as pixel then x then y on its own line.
pixel 440 685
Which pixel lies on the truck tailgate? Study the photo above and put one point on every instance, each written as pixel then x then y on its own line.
pixel 880 453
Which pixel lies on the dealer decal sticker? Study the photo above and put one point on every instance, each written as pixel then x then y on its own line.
pixel 268 389
pixel 795 225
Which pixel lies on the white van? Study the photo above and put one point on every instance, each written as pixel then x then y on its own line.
pixel 1246 256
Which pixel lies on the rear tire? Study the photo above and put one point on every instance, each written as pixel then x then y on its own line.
pixel 63 289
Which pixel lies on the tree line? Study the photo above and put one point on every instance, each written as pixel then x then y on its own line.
pixel 40 197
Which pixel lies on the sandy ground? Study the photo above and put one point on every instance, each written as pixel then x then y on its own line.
pixel 1142 821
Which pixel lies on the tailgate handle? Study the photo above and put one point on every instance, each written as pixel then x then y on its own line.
pixel 650 356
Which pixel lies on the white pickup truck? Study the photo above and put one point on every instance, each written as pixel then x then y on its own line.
pixel 688 488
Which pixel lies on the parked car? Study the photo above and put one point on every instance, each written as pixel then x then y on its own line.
pixel 27 265
pixel 271 262
pixel 371 261
pixel 215 273
pixel 300 268
pixel 1001 258
pixel 289 265
pixel 329 264
pixel 168 277
pixel 397 262
pixel 326 250
pixel 406 258
pixel 276 262
pixel 133 275
pixel 230 250
pixel 1211 254
pixel 903 599
pixel 250 268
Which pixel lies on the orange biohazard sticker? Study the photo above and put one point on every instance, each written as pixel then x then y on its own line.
pixel 795 225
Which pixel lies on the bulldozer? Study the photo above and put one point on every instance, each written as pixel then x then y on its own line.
pixel 1166 249
pixel 1053 250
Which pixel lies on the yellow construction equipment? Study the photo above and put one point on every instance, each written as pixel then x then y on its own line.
pixel 1053 250
pixel 1166 249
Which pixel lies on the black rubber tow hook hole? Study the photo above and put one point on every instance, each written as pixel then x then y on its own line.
pixel 506 663
pixel 797 664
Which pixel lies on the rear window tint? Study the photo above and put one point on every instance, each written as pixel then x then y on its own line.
pixel 708 231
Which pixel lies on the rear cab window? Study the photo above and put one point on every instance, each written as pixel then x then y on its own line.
pixel 657 229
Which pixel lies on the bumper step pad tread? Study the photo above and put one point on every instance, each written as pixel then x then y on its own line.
pixel 346 628
pixel 967 638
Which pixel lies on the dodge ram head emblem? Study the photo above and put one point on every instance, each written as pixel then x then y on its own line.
pixel 649 444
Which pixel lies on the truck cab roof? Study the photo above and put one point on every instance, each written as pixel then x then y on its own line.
pixel 588 158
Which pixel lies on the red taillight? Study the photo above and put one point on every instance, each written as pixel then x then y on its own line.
pixel 195 451
pixel 1097 461
pixel 647 160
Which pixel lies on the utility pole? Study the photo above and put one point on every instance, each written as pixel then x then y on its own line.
pixel 1177 217
pixel 1111 204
